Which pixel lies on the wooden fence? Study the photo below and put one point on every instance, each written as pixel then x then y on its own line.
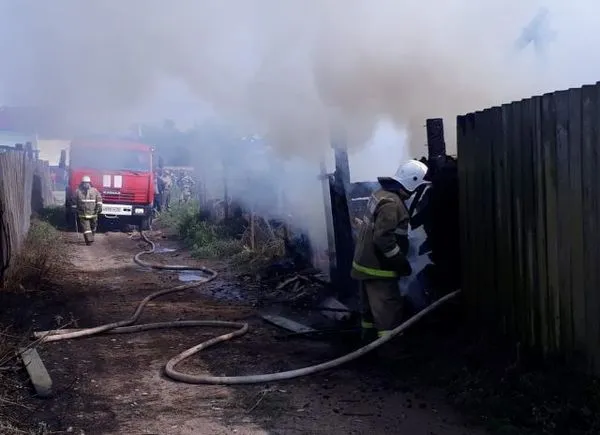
pixel 529 176
pixel 24 187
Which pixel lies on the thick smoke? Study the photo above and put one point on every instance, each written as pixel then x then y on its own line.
pixel 284 69
pixel 289 70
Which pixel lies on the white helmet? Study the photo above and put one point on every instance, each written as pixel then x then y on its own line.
pixel 411 175
pixel 86 179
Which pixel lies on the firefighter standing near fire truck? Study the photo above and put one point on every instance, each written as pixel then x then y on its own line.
pixel 88 203
pixel 381 250
pixel 165 183
pixel 157 200
pixel 186 183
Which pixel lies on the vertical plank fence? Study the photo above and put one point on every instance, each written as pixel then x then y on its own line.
pixel 530 220
pixel 24 187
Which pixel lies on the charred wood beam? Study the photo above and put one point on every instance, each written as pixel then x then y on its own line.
pixel 339 183
pixel 436 145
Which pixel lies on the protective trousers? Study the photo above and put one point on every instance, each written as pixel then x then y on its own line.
pixel 165 198
pixel 88 227
pixel 381 307
pixel 158 202
pixel 186 195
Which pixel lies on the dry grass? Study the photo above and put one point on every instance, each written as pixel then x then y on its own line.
pixel 12 406
pixel 261 247
pixel 38 263
pixel 39 259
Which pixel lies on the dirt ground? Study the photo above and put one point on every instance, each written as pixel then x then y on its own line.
pixel 112 384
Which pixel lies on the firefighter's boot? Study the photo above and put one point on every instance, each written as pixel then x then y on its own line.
pixel 88 236
pixel 368 333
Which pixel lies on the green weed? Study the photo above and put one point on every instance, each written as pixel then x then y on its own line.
pixel 205 239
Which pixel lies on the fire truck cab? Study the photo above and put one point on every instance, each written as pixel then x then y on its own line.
pixel 123 173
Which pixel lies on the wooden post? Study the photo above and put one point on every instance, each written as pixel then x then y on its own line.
pixel 342 165
pixel 344 244
pixel 436 145
pixel 331 253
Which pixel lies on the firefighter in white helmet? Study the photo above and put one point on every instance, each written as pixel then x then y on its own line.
pixel 88 203
pixel 381 249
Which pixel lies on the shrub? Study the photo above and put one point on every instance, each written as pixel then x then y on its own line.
pixel 205 239
pixel 38 259
pixel 229 239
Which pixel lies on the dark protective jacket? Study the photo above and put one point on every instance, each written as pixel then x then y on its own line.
pixel 382 242
pixel 88 203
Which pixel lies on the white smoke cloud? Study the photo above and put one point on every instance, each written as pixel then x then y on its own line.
pixel 289 70
pixel 284 68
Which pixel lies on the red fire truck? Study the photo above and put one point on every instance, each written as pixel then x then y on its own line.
pixel 121 170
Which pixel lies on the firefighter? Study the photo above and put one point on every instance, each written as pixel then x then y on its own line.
pixel 165 183
pixel 88 203
pixel 381 250
pixel 157 198
pixel 185 183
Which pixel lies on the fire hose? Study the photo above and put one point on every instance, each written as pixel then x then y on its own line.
pixel 129 326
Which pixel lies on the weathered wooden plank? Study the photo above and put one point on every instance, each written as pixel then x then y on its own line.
pixel 487 255
pixel 528 224
pixel 334 309
pixel 564 219
pixel 478 291
pixel 550 177
pixel 507 229
pixel 42 383
pixel 345 286
pixel 465 180
pixel 595 341
pixel 329 225
pixel 285 323
pixel 462 150
pixel 520 305
pixel 576 267
pixel 590 114
pixel 478 294
pixel 595 334
pixel 498 218
pixel 500 162
pixel 436 145
pixel 539 184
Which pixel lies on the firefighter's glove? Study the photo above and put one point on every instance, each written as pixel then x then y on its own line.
pixel 400 264
pixel 403 244
pixel 99 209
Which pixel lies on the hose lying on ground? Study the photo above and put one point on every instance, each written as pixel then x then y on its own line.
pixel 127 326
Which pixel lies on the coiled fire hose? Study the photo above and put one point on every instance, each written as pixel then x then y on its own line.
pixel 128 326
